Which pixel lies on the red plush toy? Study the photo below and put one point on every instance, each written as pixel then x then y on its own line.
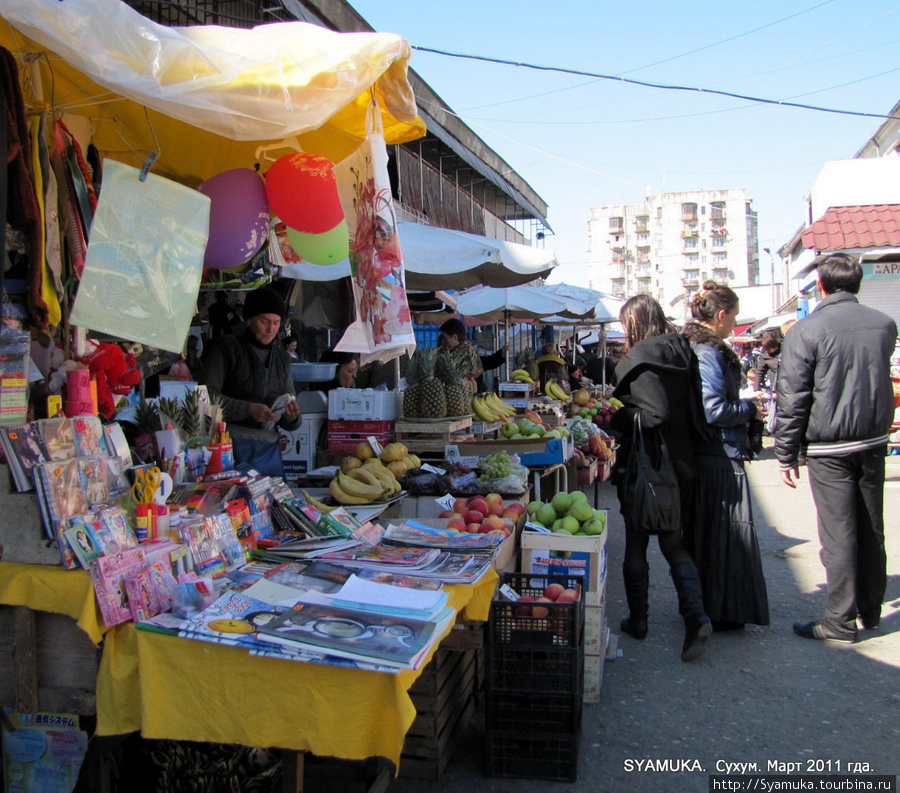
pixel 114 370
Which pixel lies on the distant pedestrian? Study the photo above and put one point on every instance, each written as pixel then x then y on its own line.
pixel 723 540
pixel 836 405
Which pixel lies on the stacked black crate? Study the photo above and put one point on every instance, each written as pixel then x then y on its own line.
pixel 534 678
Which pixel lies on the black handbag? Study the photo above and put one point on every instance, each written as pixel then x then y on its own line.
pixel 651 495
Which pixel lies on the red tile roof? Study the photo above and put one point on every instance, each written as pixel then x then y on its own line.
pixel 874 226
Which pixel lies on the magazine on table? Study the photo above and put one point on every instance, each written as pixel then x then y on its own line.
pixel 362 595
pixel 305 575
pixel 384 557
pixel 395 641
pixel 415 534
pixel 24 449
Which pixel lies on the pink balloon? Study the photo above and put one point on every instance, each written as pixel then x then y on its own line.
pixel 238 217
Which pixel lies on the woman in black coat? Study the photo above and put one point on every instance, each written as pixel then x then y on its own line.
pixel 657 382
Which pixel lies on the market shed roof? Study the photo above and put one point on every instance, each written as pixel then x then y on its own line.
pixel 841 228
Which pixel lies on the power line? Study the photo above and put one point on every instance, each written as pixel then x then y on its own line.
pixel 646 84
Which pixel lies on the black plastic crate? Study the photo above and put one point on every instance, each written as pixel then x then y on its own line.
pixel 535 756
pixel 549 671
pixel 528 712
pixel 537 624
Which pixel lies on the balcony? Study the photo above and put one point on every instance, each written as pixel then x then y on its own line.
pixel 689 217
pixel 689 234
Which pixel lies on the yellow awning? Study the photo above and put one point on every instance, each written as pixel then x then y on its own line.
pixel 206 97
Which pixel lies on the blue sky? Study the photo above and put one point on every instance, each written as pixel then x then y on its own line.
pixel 582 142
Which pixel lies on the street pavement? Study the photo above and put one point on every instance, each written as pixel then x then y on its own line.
pixel 760 700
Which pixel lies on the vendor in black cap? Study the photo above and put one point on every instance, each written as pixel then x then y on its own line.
pixel 252 371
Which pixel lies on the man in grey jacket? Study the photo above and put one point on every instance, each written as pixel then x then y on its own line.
pixel 836 405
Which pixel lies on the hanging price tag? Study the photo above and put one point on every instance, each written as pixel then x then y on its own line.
pixel 376 446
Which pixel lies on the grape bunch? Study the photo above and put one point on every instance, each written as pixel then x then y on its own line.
pixel 457 469
pixel 495 466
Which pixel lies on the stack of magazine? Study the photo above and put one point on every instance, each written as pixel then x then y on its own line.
pixel 319 612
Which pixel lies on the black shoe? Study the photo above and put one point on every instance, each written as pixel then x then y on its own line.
pixel 695 640
pixel 870 621
pixel 727 625
pixel 814 630
pixel 634 627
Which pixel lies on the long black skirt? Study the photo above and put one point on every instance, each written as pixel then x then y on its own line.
pixel 722 540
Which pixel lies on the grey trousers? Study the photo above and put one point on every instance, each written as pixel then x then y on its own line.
pixel 849 495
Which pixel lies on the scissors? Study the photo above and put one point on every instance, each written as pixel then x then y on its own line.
pixel 145 485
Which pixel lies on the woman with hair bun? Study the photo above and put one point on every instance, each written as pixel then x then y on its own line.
pixel 722 539
pixel 657 385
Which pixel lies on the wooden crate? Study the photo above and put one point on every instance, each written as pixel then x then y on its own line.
pixel 444 696
pixel 47 663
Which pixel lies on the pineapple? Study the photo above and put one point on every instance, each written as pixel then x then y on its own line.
pixel 467 361
pixel 146 418
pixel 190 408
pixel 414 386
pixel 525 360
pixel 171 412
pixel 455 391
pixel 432 401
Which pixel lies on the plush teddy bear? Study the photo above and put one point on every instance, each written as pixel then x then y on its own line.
pixel 114 370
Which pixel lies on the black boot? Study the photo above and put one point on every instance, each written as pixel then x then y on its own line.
pixel 697 626
pixel 637 584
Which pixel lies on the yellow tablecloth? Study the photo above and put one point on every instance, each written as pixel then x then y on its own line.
pixel 47 588
pixel 168 687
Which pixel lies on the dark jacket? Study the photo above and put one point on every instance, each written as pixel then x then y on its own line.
pixel 834 386
pixel 766 367
pixel 243 372
pixel 658 380
pixel 727 415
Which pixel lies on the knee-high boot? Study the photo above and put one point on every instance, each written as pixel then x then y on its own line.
pixel 637 584
pixel 697 626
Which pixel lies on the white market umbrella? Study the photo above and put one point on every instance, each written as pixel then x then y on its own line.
pixel 436 258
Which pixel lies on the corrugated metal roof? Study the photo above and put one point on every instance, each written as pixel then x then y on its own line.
pixel 840 228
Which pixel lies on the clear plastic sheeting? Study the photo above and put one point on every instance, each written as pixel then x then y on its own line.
pixel 274 81
pixel 142 272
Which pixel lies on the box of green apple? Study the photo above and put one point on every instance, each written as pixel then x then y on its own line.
pixel 566 536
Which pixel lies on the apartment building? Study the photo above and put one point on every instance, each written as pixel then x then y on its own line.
pixel 667 246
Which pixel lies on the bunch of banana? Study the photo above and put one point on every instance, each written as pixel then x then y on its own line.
pixel 390 485
pixel 520 376
pixel 555 391
pixel 489 407
pixel 349 489
pixel 323 509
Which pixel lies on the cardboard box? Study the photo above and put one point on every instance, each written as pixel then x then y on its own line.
pixel 564 554
pixel 595 630
pixel 593 677
pixel 531 451
pixel 364 404
pixel 298 448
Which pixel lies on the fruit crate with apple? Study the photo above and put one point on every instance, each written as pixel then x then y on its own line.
pixel 549 611
pixel 532 755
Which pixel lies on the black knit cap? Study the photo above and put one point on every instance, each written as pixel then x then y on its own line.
pixel 264 300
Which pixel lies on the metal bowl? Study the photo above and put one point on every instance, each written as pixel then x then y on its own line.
pixel 313 372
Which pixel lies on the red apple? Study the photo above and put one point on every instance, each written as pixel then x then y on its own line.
pixel 484 528
pixel 495 509
pixel 461 505
pixel 512 514
pixel 493 498
pixel 474 516
pixel 541 611
pixel 457 524
pixel 448 513
pixel 473 528
pixel 478 503
pixel 524 610
pixel 518 506
pixel 553 591
pixel 570 593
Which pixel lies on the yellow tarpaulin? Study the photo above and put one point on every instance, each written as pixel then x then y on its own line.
pixel 206 97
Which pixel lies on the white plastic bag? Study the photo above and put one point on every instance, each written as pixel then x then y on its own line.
pixel 142 272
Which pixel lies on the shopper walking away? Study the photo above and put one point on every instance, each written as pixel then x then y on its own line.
pixel 722 539
pixel 658 386
pixel 836 404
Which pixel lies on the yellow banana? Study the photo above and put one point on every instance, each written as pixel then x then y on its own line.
pixel 323 509
pixel 358 488
pixel 479 408
pixel 548 390
pixel 521 376
pixel 343 497
pixel 504 409
pixel 365 476
pixel 390 485
pixel 559 393
pixel 491 407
